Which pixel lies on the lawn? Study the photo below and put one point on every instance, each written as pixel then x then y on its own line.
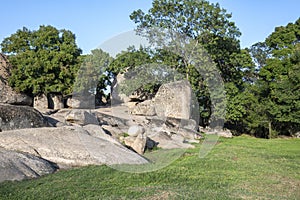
pixel 238 168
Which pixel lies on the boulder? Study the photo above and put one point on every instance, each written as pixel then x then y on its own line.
pixel 139 144
pixel 81 117
pixel 40 102
pixel 135 130
pixel 7 94
pixel 117 97
pixel 167 141
pixel 55 101
pixel 20 117
pixel 69 146
pixel 225 133
pixel 18 166
pixel 220 132
pixel 81 101
pixel 176 100
pixel 145 108
pixel 115 132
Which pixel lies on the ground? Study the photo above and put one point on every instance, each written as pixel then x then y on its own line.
pixel 238 168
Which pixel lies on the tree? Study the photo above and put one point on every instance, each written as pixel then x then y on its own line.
pixel 207 23
pixel 93 76
pixel 206 26
pixel 44 61
pixel 277 87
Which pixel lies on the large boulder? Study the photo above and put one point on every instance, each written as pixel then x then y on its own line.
pixel 20 117
pixel 116 94
pixel 18 166
pixel 8 94
pixel 176 100
pixel 81 117
pixel 70 146
pixel 81 101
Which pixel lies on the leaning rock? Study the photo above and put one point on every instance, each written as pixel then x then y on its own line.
pixel 19 117
pixel 176 100
pixel 81 117
pixel 19 166
pixel 116 94
pixel 7 94
pixel 69 146
pixel 139 144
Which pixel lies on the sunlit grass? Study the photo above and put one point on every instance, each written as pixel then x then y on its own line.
pixel 238 168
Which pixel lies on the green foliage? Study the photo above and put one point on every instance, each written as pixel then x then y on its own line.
pixel 276 90
pixel 44 61
pixel 207 23
pixel 235 169
pixel 93 76
pixel 205 31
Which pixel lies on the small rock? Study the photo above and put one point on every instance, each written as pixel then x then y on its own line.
pixel 135 130
pixel 139 144
pixel 225 134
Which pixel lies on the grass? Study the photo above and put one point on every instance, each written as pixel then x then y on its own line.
pixel 238 168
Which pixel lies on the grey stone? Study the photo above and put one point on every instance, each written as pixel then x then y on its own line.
pixel 166 141
pixel 56 101
pixel 19 117
pixel 7 94
pixel 139 144
pixel 135 130
pixel 69 146
pixel 145 108
pixel 40 102
pixel 117 96
pixel 81 101
pixel 81 117
pixel 18 166
pixel 176 100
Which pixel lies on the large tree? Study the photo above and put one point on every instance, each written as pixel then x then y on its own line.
pixel 44 60
pixel 207 27
pixel 279 80
pixel 200 20
pixel 94 75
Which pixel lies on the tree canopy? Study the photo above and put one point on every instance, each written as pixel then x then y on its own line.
pixel 44 60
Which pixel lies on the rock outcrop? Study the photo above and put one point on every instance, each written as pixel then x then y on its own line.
pixel 18 166
pixel 20 117
pixel 70 146
pixel 116 94
pixel 176 100
pixel 7 94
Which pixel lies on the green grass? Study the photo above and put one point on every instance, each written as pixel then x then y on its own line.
pixel 238 168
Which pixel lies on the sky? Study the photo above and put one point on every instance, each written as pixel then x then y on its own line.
pixel 95 22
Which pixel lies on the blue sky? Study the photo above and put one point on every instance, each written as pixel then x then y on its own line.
pixel 96 21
